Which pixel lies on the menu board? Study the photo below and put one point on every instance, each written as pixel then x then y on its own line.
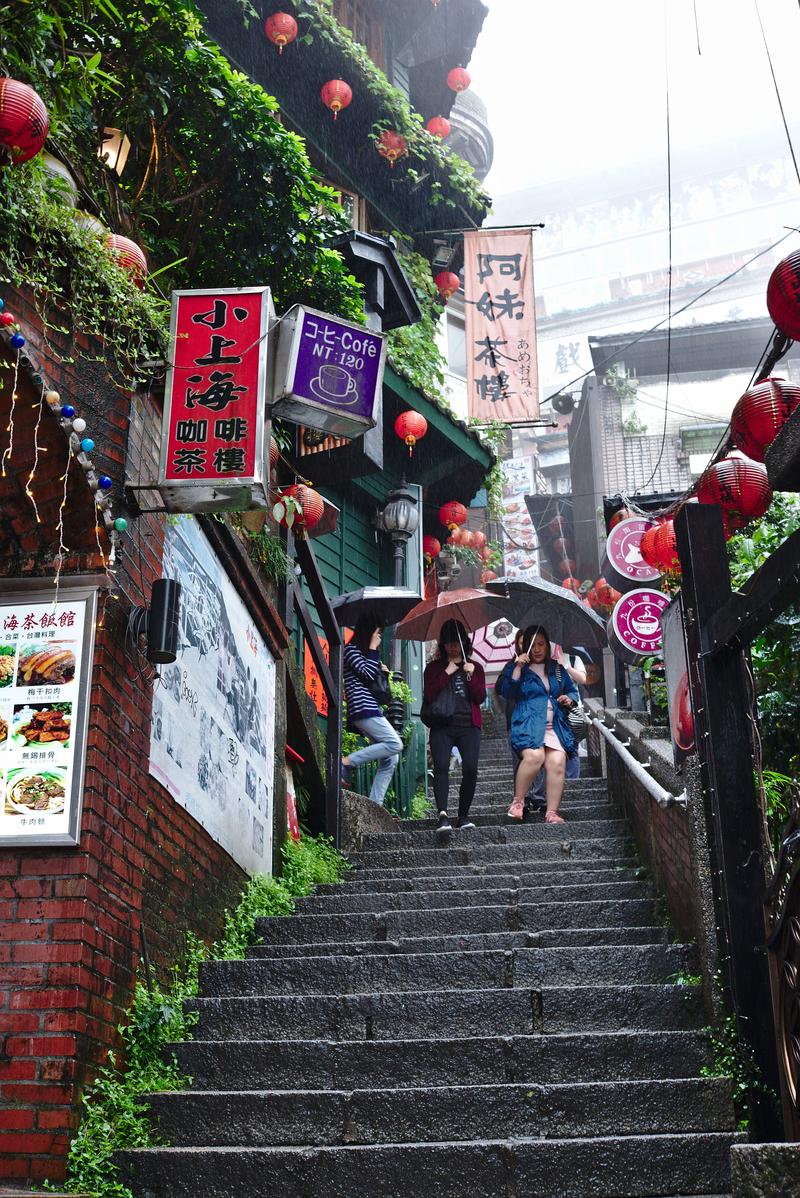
pixel 520 554
pixel 45 671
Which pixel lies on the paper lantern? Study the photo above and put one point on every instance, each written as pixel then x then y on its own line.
pixel 336 95
pixel 452 514
pixel 438 126
pixel 566 568
pixel 467 538
pixel 274 453
pixel 311 506
pixel 410 426
pixel 572 584
pixel 623 514
pixel 659 549
pixel 760 413
pixel 562 546
pixel 557 526
pixel 607 596
pixel 738 485
pixel 391 145
pixel 281 29
pixel 23 120
pixel 129 256
pixel 783 296
pixel 458 79
pixel 479 539
pixel 487 576
pixel 447 284
pixel 431 547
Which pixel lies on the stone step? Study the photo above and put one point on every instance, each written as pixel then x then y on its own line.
pixel 465 1013
pixel 518 967
pixel 496 814
pixel 510 917
pixel 553 842
pixel 413 1114
pixel 602 1167
pixel 565 865
pixel 422 900
pixel 511 833
pixel 591 1056
pixel 354 883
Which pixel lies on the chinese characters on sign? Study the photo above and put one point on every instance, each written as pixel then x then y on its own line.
pixel 216 388
pixel 520 552
pixel 500 325
pixel 45 661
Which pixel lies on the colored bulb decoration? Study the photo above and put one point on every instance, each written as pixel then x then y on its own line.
pixel 739 485
pixel 120 524
pixel 783 296
pixel 17 340
pixel 572 584
pixel 431 548
pixel 447 284
pixel 105 483
pixel 336 95
pixel 128 256
pixel 391 146
pixel 281 29
pixel 2 303
pixel 87 444
pixel 439 126
pixel 79 424
pixel 452 514
pixel 759 415
pixel 458 79
pixel 7 319
pixel 566 568
pixel 410 427
pixel 304 509
pixel 67 412
pixel 488 576
pixel 23 120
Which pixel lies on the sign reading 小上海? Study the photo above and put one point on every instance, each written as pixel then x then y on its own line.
pixel 634 628
pixel 45 672
pixel 212 452
pixel 328 372
pixel 502 370
pixel 624 567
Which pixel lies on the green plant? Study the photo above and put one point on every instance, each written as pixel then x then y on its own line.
pixel 625 387
pixel 633 425
pixel 400 691
pixel 494 435
pixel 655 686
pixel 682 978
pixel 421 805
pixel 413 351
pixel 733 1058
pixel 266 550
pixel 780 793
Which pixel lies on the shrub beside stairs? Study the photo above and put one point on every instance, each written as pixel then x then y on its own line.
pixel 496 1015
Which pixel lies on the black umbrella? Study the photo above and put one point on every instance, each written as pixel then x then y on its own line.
pixel 560 612
pixel 386 604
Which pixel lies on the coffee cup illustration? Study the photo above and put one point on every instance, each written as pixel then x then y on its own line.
pixel 336 385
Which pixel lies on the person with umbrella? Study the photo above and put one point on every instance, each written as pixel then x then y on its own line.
pixel 362 669
pixel 543 692
pixel 452 671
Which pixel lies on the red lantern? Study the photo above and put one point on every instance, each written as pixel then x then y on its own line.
pixel 484 553
pixel 647 545
pixel 566 568
pixel 311 506
pixel 479 539
pixel 623 514
pixel 438 126
pixel 606 595
pixel 458 79
pixel 336 95
pixel 23 120
pixel 488 576
pixel 431 547
pixel 452 514
pixel 572 584
pixel 391 145
pixel 129 256
pixel 592 600
pixel 738 485
pixel 281 29
pixel 561 546
pixel 274 453
pixel 658 547
pixel 783 296
pixel 760 413
pixel 455 537
pixel 557 526
pixel 410 426
pixel 447 284
pixel 467 538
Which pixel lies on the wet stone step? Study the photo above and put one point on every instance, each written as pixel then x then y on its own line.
pixel 329 904
pixel 564 864
pixel 559 841
pixel 511 833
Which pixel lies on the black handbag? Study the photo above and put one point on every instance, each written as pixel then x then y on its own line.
pixel 441 710
pixel 379 688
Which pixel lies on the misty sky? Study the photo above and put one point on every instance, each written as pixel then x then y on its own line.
pixel 574 86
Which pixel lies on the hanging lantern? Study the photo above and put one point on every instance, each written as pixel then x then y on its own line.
pixel 647 545
pixel 431 548
pixel 447 284
pixel 438 126
pixel 658 547
pixel 572 584
pixel 274 453
pixel 623 514
pixel 467 538
pixel 458 79
pixel 128 255
pixel 566 568
pixel 484 553
pixel 562 546
pixel 760 413
pixel 23 120
pixel 310 503
pixel 738 485
pixel 281 29
pixel 336 95
pixel 410 426
pixel 783 296
pixel 557 526
pixel 452 514
pixel 391 145
pixel 607 596
pixel 479 539
pixel 488 576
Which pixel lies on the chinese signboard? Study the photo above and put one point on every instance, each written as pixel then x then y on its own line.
pixel 328 373
pixel 314 688
pixel 214 403
pixel 676 670
pixel 500 325
pixel 212 739
pixel 520 556
pixel 623 565
pixel 634 629
pixel 45 674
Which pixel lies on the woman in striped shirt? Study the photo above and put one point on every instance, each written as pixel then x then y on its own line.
pixel 362 665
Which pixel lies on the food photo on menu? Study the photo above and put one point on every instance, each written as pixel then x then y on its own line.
pixel 52 664
pixel 7 655
pixel 3 727
pixel 35 792
pixel 39 724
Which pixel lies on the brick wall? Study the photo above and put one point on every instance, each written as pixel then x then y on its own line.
pixel 72 920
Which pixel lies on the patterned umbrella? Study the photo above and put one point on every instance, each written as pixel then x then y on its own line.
pixel 493 646
pixel 474 609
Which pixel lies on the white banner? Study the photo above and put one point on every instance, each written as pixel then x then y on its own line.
pixel 520 555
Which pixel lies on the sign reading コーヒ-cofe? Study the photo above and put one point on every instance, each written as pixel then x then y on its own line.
pixel 328 372
pixel 634 628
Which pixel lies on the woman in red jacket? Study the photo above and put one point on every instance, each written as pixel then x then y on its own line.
pixel 462 729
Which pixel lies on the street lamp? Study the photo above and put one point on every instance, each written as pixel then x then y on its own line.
pixel 400 518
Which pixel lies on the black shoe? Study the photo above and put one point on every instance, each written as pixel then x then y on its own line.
pixel 465 823
pixel 443 825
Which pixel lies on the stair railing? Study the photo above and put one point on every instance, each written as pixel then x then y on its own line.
pixel 639 769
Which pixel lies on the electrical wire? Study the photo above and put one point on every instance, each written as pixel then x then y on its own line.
pixel 777 90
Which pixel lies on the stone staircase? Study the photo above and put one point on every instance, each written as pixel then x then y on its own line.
pixel 496 1015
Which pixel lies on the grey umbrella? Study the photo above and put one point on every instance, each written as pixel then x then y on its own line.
pixel 561 613
pixel 386 604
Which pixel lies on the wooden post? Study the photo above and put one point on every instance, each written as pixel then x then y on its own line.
pixel 724 734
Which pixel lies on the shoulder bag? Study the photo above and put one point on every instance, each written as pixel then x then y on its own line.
pixel 441 710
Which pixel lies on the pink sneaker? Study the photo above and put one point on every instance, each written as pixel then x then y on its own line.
pixel 517 809
pixel 552 817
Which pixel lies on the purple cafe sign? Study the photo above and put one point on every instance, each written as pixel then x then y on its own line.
pixel 623 566
pixel 634 629
pixel 328 372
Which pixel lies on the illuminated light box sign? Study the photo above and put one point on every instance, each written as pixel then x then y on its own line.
pixel 45 673
pixel 623 565
pixel 634 627
pixel 212 448
pixel 328 372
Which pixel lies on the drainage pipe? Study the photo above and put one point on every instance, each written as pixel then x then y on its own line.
pixel 639 770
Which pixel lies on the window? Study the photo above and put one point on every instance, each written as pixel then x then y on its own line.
pixel 456 347
pixel 354 206
pixel 365 27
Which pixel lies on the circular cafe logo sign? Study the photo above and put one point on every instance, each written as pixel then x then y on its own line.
pixel 623 549
pixel 636 619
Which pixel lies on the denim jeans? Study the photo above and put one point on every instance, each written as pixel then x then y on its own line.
pixel 386 748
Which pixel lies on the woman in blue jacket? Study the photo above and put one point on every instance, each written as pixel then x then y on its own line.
pixel 543 694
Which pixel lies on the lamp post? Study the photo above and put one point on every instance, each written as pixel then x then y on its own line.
pixel 400 518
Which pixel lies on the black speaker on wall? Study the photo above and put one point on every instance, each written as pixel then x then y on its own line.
pixel 162 621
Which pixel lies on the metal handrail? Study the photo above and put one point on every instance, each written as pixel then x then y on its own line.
pixel 663 797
